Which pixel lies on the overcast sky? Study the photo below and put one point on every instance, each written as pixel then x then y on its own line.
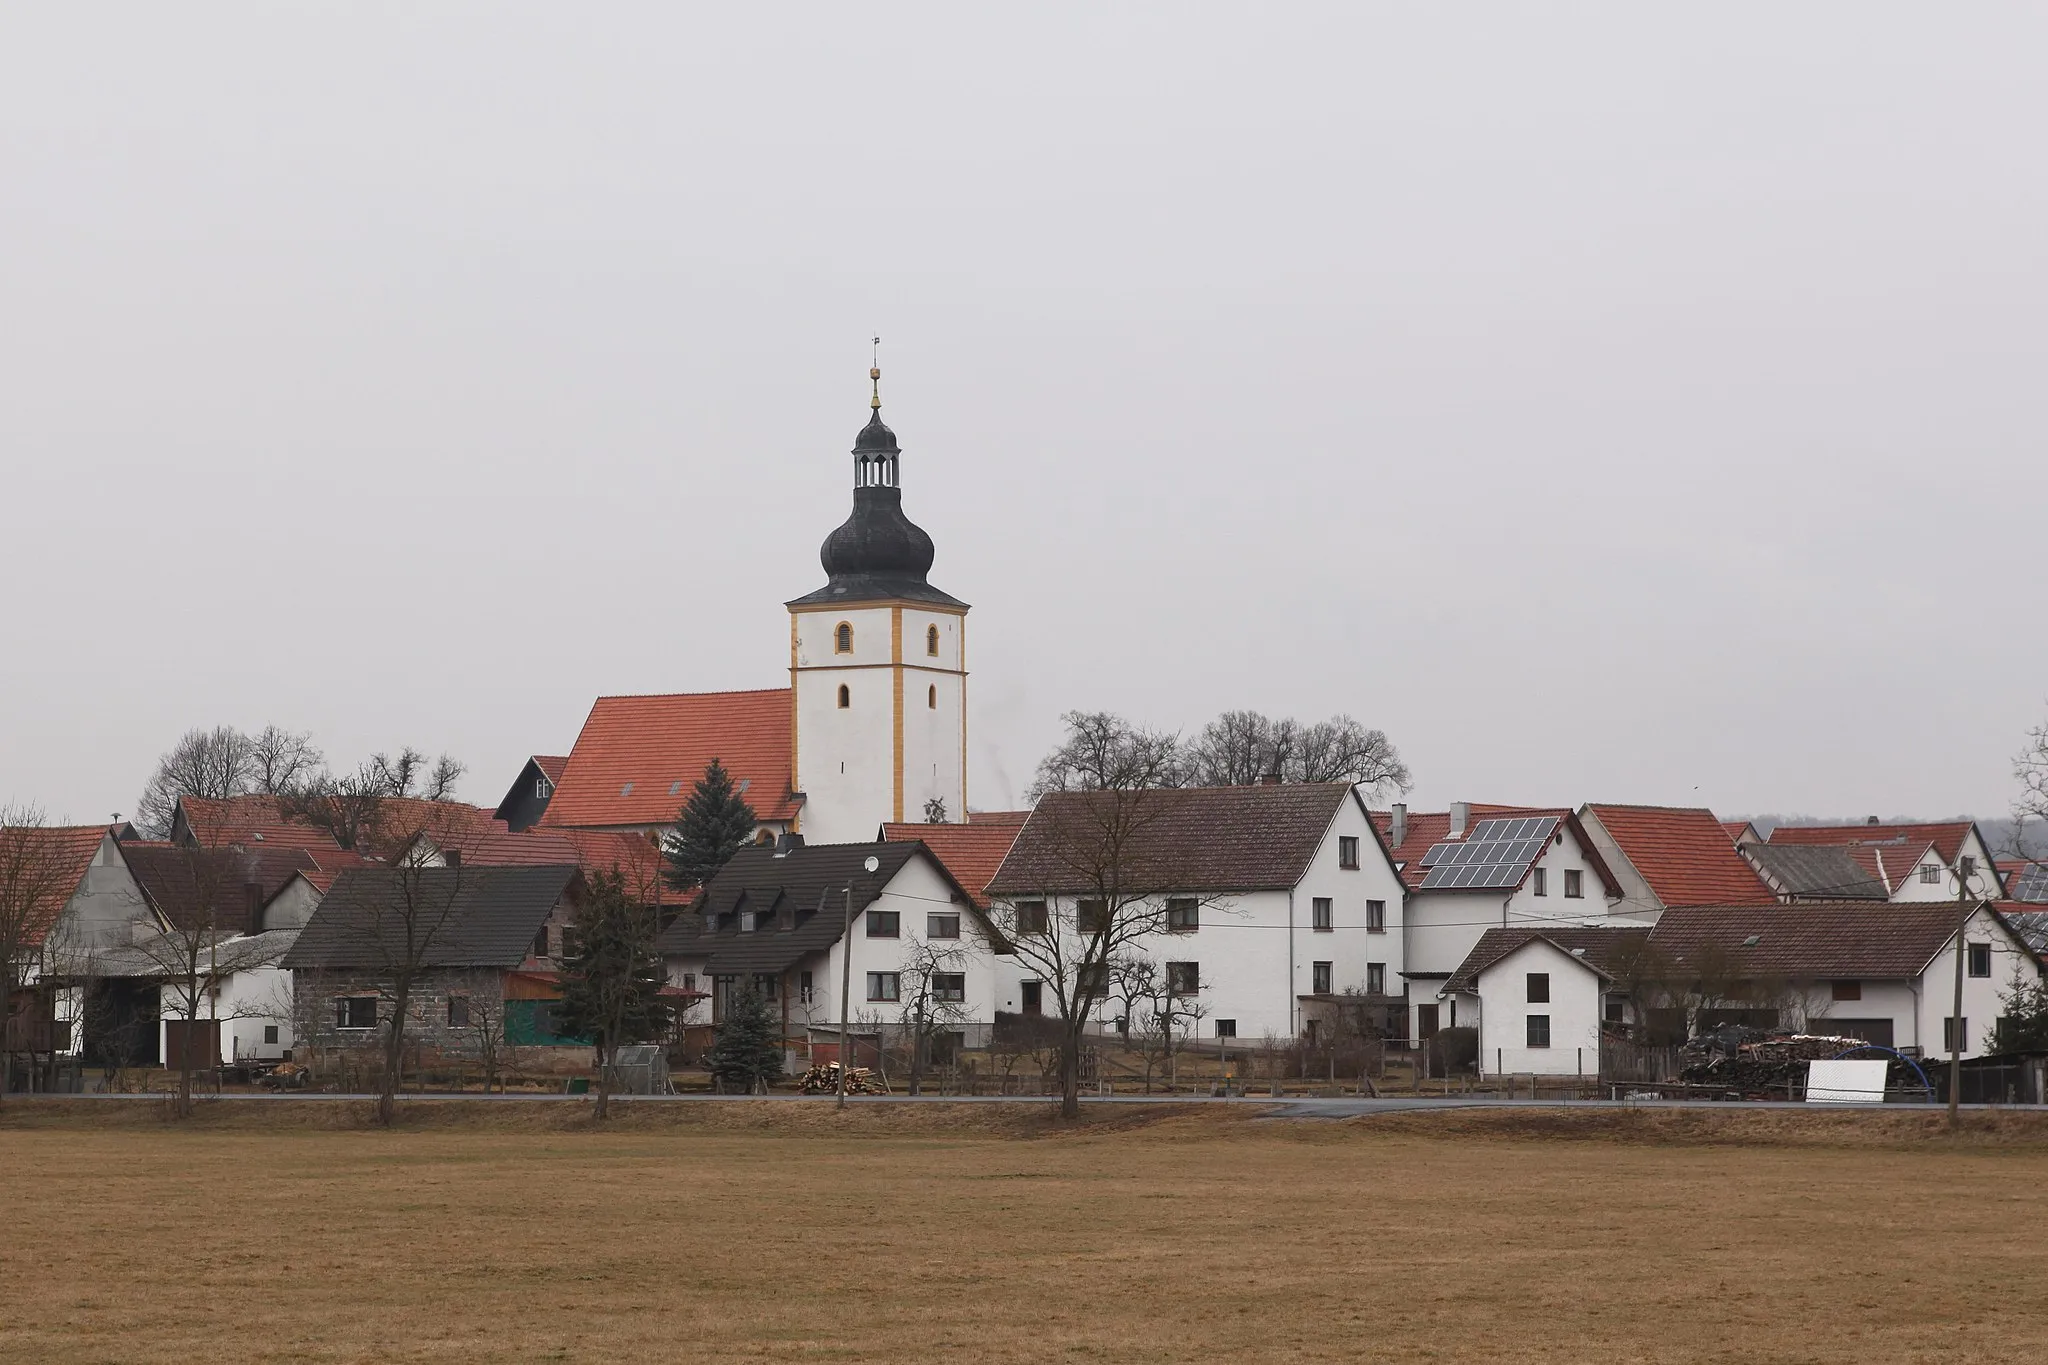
pixel 1610 403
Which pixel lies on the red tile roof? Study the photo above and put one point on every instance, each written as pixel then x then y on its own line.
pixel 41 866
pixel 551 765
pixel 329 863
pixel 972 852
pixel 247 820
pixel 1013 818
pixel 637 757
pixel 634 857
pixel 1889 864
pixel 1739 829
pixel 1947 836
pixel 1684 854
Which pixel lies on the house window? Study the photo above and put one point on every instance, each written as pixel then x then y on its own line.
pixel 931 697
pixel 1183 915
pixel 845 697
pixel 1375 917
pixel 1319 978
pixel 1539 988
pixel 949 985
pixel 1574 884
pixel 1347 851
pixel 690 982
pixel 540 942
pixel 749 920
pixel 1615 1008
pixel 1320 914
pixel 1183 978
pixel 885 924
pixel 842 639
pixel 942 926
pixel 1954 1038
pixel 1029 917
pixel 931 641
pixel 355 1011
pixel 1091 917
pixel 1847 990
pixel 803 987
pixel 1930 873
pixel 1539 1030
pixel 884 985
pixel 1226 1028
pixel 1541 886
pixel 1375 978
pixel 1091 980
pixel 458 1011
pixel 542 789
pixel 1980 959
pixel 270 1033
pixel 764 985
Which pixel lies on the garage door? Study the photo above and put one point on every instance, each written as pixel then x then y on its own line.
pixel 202 1037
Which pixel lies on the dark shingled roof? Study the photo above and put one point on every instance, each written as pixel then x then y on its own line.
pixel 1596 946
pixel 799 897
pixel 201 888
pixel 1846 939
pixel 480 916
pixel 1815 870
pixel 1189 838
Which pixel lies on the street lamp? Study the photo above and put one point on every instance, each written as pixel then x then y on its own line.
pixel 871 866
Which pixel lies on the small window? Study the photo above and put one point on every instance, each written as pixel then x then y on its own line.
pixel 1574 884
pixel 1539 988
pixel 1319 978
pixel 1183 978
pixel 884 985
pixel 690 982
pixel 931 641
pixel 540 942
pixel 1183 915
pixel 542 789
pixel 750 920
pixel 931 697
pixel 1321 915
pixel 1029 917
pixel 1953 1038
pixel 1091 917
pixel 1226 1028
pixel 1980 959
pixel 842 640
pixel 765 985
pixel 1614 1008
pixel 942 926
pixel 1847 990
pixel 949 986
pixel 1375 978
pixel 355 1012
pixel 458 1011
pixel 1930 873
pixel 1347 851
pixel 803 988
pixel 1539 1030
pixel 1375 917
pixel 270 1033
pixel 1540 885
pixel 845 697
pixel 1092 979
pixel 885 924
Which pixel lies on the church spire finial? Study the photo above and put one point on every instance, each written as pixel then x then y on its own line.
pixel 875 375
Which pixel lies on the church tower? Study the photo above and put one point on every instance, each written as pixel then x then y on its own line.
pixel 877 666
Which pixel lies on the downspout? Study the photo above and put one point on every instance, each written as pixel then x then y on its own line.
pixel 1914 986
pixel 1293 1004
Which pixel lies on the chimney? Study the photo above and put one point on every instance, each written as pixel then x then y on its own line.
pixel 1398 835
pixel 787 841
pixel 1461 818
pixel 252 898
pixel 1870 819
pixel 1269 779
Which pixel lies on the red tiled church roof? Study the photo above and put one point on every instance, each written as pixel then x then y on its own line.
pixel 638 757
pixel 1685 855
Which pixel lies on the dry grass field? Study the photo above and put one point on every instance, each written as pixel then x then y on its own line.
pixel 782 1232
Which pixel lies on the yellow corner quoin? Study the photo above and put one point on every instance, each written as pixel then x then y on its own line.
pixel 896 657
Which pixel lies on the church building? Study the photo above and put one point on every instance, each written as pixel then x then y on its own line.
pixel 872 728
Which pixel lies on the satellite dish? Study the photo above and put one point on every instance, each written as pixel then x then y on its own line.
pixel 873 864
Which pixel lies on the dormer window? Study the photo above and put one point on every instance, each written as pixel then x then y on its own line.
pixel 842 639
pixel 931 641
pixel 845 697
pixel 542 789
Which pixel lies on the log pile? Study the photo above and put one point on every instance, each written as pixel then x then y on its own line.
pixel 824 1080
pixel 1755 1063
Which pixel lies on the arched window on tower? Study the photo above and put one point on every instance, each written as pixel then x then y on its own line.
pixel 845 697
pixel 842 639
pixel 931 697
pixel 931 641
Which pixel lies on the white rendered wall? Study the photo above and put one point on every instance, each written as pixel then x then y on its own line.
pixel 913 893
pixel 246 1004
pixel 1982 996
pixel 1573 1007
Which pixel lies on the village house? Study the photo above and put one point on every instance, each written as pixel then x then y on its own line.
pixel 1274 904
pixel 1670 855
pixel 1872 861
pixel 526 800
pixel 1542 998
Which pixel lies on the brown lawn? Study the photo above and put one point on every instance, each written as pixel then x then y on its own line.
pixel 765 1232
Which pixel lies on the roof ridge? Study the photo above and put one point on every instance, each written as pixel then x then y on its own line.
pixel 664 696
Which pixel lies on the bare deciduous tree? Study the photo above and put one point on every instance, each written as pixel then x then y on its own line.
pixel 929 1008
pixel 1104 752
pixel 223 762
pixel 1242 747
pixel 360 810
pixel 33 873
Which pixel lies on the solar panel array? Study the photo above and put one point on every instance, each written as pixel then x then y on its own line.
pixel 2030 883
pixel 1495 854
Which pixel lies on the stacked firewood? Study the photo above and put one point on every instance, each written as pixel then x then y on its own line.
pixel 821 1080
pixel 1756 1063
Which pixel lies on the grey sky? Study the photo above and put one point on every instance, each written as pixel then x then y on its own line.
pixel 1611 403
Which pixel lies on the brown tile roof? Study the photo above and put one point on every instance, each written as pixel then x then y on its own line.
pixel 1190 838
pixel 638 757
pixel 42 866
pixel 208 888
pixel 1684 854
pixel 632 856
pixel 1013 818
pixel 247 820
pixel 1850 940
pixel 1946 835
pixel 1596 946
pixel 551 765
pixel 329 863
pixel 972 852
pixel 1427 829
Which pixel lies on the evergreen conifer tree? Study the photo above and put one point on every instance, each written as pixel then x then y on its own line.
pixel 748 1053
pixel 715 823
pixel 612 977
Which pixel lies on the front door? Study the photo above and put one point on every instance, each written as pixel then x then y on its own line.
pixel 1032 994
pixel 1425 1021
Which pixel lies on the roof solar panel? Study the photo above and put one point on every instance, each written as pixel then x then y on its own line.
pixel 1496 854
pixel 2030 884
